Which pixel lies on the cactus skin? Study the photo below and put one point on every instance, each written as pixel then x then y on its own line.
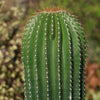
pixel 54 57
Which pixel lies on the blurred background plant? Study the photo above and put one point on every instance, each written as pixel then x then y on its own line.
pixel 13 17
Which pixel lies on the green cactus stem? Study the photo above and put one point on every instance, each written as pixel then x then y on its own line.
pixel 54 57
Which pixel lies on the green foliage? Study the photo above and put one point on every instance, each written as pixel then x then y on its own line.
pixel 96 96
pixel 54 57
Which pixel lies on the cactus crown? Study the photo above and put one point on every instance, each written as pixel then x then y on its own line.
pixel 54 57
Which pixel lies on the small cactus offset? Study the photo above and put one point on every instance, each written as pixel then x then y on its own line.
pixel 54 57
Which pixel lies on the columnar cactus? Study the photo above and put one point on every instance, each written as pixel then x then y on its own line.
pixel 54 57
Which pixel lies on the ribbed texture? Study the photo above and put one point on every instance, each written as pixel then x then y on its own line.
pixel 54 57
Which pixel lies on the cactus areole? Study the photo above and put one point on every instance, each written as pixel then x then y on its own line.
pixel 54 57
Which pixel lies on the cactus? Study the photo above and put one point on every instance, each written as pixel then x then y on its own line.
pixel 54 57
